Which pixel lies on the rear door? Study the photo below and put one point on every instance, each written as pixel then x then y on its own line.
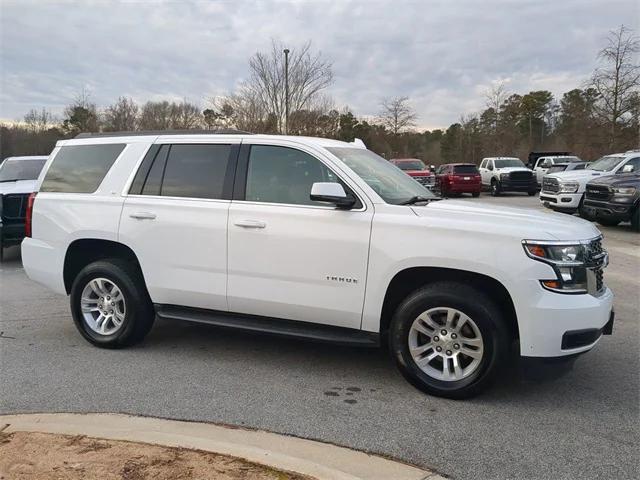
pixel 290 257
pixel 175 220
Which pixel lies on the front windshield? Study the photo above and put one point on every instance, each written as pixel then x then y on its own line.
pixel 13 170
pixel 387 180
pixel 508 162
pixel 410 165
pixel 605 164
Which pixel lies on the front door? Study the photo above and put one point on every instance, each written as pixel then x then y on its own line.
pixel 290 257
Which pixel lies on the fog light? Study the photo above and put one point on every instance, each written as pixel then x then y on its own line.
pixel 551 283
pixel 565 200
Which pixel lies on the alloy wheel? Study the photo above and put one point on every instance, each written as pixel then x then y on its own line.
pixel 446 344
pixel 103 306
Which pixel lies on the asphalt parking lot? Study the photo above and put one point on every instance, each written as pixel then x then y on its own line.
pixel 581 425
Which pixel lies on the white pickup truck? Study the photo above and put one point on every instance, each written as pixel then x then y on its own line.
pixel 543 164
pixel 564 191
pixel 507 174
pixel 312 238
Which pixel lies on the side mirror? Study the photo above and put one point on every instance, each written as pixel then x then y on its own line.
pixel 332 193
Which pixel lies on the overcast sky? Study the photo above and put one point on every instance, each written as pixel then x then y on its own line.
pixel 442 54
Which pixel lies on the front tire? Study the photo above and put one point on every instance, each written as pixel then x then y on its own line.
pixel 448 339
pixel 110 304
pixel 495 188
pixel 606 222
pixel 583 212
pixel 635 220
pixel 475 194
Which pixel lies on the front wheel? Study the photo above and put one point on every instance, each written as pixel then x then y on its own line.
pixel 448 339
pixel 475 194
pixel 495 188
pixel 583 211
pixel 532 193
pixel 635 220
pixel 608 222
pixel 110 304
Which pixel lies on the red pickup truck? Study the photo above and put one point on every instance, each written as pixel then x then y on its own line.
pixel 458 178
pixel 416 169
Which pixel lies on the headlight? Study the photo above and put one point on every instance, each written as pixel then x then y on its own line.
pixel 504 176
pixel 568 262
pixel 625 191
pixel 570 187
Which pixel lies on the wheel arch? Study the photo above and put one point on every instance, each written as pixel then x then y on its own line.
pixel 409 279
pixel 84 251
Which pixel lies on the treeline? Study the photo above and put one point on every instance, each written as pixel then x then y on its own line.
pixel 600 117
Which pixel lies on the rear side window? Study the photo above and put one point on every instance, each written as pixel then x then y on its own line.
pixel 80 168
pixel 472 169
pixel 195 171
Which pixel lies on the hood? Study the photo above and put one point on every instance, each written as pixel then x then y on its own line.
pixel 513 169
pixel 622 180
pixel 578 175
pixel 522 223
pixel 19 186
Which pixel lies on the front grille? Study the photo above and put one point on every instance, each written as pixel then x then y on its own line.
pixel 520 176
pixel 597 261
pixel 599 279
pixel 597 192
pixel 427 181
pixel 550 185
pixel 14 206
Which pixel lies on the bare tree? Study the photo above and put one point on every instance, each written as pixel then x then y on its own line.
pixel 81 115
pixel 121 116
pixel 155 116
pixel 185 115
pixel 38 120
pixel 397 115
pixel 618 80
pixel 309 74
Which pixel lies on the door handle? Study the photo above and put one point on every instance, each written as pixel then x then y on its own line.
pixel 143 215
pixel 250 224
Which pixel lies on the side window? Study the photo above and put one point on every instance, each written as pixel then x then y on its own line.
pixel 153 181
pixel 80 168
pixel 632 165
pixel 490 164
pixel 283 175
pixel 193 171
pixel 483 164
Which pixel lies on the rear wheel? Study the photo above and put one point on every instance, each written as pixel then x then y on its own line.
pixel 110 304
pixel 532 193
pixel 495 187
pixel 448 339
pixel 475 194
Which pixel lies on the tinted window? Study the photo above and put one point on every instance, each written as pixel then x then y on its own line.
pixel 153 182
pixel 194 171
pixel 80 168
pixel 465 169
pixel 508 162
pixel 12 170
pixel 580 166
pixel 284 175
pixel 410 165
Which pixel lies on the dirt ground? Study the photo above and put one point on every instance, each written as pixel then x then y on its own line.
pixel 42 456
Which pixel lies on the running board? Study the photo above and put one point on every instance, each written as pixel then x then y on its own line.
pixel 273 326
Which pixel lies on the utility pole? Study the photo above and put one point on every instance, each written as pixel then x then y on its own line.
pixel 286 91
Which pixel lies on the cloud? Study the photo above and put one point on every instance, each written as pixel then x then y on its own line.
pixel 441 54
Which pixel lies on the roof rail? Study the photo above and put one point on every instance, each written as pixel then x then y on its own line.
pixel 633 150
pixel 222 131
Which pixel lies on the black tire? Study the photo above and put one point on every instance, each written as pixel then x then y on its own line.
pixel 495 187
pixel 532 193
pixel 608 222
pixel 635 220
pixel 475 305
pixel 583 212
pixel 139 314
pixel 475 194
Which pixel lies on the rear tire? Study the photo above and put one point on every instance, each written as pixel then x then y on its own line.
pixel 531 194
pixel 475 194
pixel 124 319
pixel 458 319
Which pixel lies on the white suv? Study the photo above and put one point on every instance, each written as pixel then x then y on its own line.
pixel 312 238
pixel 507 174
pixel 564 191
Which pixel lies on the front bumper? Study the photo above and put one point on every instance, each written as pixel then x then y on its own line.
pixel 554 324
pixel 560 201
pixel 620 210
pixel 518 186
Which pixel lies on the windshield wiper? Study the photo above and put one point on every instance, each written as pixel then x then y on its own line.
pixel 418 199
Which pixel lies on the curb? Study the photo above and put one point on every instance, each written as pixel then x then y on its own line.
pixel 320 460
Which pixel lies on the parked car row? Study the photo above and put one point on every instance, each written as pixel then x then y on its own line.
pixel 606 190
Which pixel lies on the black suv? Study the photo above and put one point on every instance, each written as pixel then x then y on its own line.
pixel 614 199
